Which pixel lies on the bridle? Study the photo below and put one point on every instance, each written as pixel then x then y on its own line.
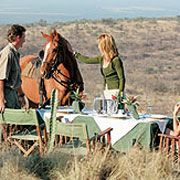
pixel 54 62
pixel 55 72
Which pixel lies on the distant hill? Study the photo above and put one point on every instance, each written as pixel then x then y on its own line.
pixel 149 47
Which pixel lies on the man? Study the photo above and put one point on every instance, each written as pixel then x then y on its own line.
pixel 11 94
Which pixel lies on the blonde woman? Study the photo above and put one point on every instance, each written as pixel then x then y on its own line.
pixel 110 63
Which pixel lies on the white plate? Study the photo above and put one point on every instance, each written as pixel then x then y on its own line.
pixel 101 115
pixel 118 116
pixel 65 111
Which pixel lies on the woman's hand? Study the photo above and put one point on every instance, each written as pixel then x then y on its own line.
pixel 121 95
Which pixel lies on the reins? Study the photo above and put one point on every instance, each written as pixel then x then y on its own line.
pixel 70 85
pixel 64 83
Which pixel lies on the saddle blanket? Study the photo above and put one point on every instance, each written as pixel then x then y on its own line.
pixel 32 69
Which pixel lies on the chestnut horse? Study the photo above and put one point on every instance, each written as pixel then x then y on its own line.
pixel 58 69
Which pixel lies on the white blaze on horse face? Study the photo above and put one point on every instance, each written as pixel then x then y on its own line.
pixel 46 51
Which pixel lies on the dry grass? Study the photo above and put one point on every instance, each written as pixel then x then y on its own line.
pixel 137 164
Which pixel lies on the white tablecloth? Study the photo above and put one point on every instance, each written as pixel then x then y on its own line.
pixel 120 127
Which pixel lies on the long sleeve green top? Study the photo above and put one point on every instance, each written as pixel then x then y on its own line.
pixel 113 74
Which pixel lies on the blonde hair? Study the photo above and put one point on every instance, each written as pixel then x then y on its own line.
pixel 107 46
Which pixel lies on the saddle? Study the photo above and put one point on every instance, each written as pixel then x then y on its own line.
pixel 32 70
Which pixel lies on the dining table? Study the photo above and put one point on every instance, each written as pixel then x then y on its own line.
pixel 126 132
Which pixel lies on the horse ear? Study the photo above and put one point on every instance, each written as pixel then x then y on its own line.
pixel 54 31
pixel 45 35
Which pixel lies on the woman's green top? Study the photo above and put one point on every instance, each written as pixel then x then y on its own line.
pixel 113 74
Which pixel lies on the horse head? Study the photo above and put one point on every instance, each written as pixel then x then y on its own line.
pixel 53 54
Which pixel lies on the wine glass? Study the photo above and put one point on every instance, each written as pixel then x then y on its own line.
pixel 148 110
pixel 99 105
pixel 112 107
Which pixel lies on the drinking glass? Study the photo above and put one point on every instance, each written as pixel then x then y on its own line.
pixel 99 105
pixel 111 107
pixel 148 110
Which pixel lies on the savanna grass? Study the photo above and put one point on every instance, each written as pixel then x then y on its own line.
pixel 135 165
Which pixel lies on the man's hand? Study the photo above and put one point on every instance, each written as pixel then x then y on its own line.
pixel 22 101
pixel 2 106
pixel 2 102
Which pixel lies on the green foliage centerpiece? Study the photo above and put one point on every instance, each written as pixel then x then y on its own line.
pixel 77 104
pixel 131 103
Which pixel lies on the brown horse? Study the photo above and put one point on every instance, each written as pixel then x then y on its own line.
pixel 59 70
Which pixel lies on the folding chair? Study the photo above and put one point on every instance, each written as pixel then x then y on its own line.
pixel 77 132
pixel 32 129
pixel 171 144
pixel 78 137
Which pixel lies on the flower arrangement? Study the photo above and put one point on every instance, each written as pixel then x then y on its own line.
pixel 130 105
pixel 78 95
pixel 116 97
pixel 131 100
pixel 77 104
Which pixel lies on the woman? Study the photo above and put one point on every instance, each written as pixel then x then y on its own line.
pixel 176 125
pixel 111 65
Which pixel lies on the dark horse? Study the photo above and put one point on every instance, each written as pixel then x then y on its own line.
pixel 58 69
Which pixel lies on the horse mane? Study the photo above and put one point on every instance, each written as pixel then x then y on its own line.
pixel 66 50
pixel 71 61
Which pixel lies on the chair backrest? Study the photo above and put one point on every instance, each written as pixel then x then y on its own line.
pixel 21 117
pixel 78 130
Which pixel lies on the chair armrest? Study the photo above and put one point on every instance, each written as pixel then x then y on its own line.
pixel 97 136
pixel 169 136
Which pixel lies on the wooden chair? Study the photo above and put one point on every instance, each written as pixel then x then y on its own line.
pixel 32 129
pixel 77 132
pixel 170 144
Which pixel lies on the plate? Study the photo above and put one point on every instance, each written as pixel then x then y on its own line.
pixel 65 111
pixel 117 116
pixel 101 115
pixel 157 117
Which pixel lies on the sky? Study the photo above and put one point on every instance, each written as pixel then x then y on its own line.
pixel 26 11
